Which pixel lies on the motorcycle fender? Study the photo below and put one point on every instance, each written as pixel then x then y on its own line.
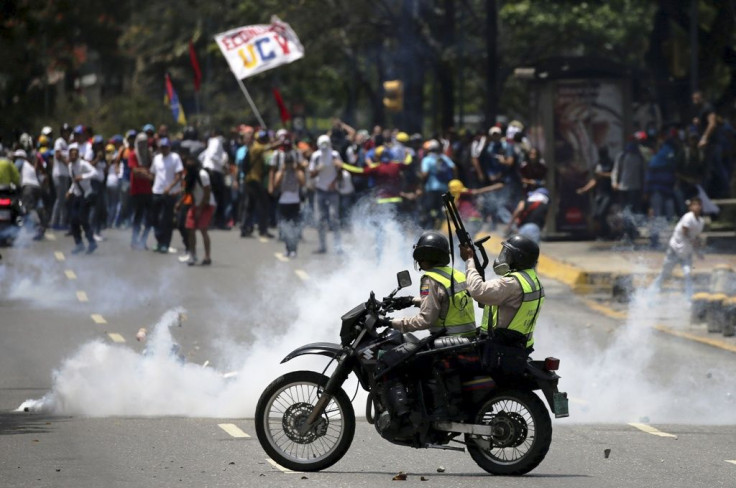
pixel 328 349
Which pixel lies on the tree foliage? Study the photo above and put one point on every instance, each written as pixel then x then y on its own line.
pixel 439 48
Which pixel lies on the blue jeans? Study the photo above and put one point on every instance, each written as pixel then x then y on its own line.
pixel 328 203
pixel 663 209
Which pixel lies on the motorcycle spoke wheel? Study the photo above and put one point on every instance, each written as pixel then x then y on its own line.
pixel 282 413
pixel 522 433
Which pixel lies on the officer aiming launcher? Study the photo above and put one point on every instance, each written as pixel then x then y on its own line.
pixel 463 236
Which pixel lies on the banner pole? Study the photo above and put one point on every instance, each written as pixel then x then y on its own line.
pixel 250 101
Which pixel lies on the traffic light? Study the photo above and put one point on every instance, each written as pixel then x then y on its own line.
pixel 393 95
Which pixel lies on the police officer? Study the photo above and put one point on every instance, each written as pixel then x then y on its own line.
pixel 512 302
pixel 443 300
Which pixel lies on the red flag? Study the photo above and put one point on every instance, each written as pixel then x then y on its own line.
pixel 195 66
pixel 284 112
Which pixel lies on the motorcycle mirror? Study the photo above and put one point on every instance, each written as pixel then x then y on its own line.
pixel 404 279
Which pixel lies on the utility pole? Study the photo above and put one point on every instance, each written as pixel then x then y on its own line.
pixel 491 66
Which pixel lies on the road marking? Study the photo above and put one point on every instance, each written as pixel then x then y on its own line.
pixel 115 337
pixel 59 256
pixel 281 468
pixel 651 430
pixel 263 239
pixel 693 337
pixel 50 236
pixel 732 461
pixel 82 296
pixel 302 274
pixel 609 312
pixel 70 274
pixel 281 257
pixel 233 430
pixel 98 319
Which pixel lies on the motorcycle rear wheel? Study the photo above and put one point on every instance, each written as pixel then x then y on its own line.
pixel 285 404
pixel 522 433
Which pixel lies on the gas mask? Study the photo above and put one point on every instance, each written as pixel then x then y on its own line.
pixel 501 264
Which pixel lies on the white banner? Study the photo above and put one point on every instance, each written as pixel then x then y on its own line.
pixel 252 49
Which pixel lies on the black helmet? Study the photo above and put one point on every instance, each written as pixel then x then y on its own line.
pixel 432 247
pixel 519 252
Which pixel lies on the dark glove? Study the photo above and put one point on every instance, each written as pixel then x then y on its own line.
pixel 383 322
pixel 402 303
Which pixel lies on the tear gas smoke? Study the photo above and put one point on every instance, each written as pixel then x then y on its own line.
pixel 611 377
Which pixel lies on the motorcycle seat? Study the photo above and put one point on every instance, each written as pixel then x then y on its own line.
pixel 410 338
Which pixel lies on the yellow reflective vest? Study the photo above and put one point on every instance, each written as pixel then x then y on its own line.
pixel 460 319
pixel 525 318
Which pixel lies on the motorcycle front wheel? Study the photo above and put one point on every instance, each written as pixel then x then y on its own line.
pixel 283 409
pixel 522 433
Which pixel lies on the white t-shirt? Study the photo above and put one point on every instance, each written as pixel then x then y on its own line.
pixel 28 176
pixel 679 242
pixel 60 168
pixel 112 176
pixel 164 171
pixel 100 170
pixel 86 152
pixel 214 157
pixel 324 162
pixel 198 190
pixel 87 171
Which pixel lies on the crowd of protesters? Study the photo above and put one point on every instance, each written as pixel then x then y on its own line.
pixel 255 179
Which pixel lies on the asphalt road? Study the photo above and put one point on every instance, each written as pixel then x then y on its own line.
pixel 117 414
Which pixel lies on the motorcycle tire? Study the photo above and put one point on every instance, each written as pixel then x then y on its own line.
pixel 285 404
pixel 522 433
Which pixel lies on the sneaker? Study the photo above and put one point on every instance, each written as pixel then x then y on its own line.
pixel 266 234
pixel 78 248
pixel 206 262
pixel 291 254
pixel 321 250
pixel 98 237
pixel 184 258
pixel 91 248
pixel 192 260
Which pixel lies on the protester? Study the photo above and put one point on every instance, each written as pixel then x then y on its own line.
pixel 31 195
pixel 659 185
pixel 167 169
pixel 258 203
pixel 60 176
pixel 81 200
pixel 685 242
pixel 141 202
pixel 289 180
pixel 530 215
pixel 436 172
pixel 215 161
pixel 601 182
pixel 627 179
pixel 322 167
pixel 198 188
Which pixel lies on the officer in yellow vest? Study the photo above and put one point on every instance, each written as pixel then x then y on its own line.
pixel 443 299
pixel 512 302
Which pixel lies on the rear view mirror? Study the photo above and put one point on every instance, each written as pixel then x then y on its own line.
pixel 404 279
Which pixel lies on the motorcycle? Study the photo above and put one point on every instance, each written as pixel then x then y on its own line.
pixel 12 216
pixel 305 421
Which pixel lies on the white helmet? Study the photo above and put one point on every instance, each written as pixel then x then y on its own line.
pixel 433 146
pixel 47 131
pixel 323 141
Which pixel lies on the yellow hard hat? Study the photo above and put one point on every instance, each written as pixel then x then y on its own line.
pixel 402 137
pixel 456 187
pixel 110 148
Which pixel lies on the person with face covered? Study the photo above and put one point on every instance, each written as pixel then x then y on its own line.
pixel 323 167
pixel 512 302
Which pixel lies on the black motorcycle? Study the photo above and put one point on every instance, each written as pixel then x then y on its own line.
pixel 423 393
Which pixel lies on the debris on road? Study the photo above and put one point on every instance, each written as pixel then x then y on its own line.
pixel 441 469
pixel 606 453
pixel 400 477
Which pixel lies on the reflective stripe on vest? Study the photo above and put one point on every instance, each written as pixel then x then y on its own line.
pixel 389 200
pixel 525 318
pixel 460 319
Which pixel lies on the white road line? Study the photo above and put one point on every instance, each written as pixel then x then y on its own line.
pixel 281 257
pixel 302 274
pixel 732 461
pixel 233 430
pixel 115 337
pixel 263 239
pixel 59 256
pixel 50 236
pixel 281 468
pixel 651 430
pixel 70 274
pixel 98 319
pixel 82 296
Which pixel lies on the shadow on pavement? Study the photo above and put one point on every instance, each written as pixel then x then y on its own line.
pixel 27 423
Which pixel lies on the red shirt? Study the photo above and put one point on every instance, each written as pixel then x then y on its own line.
pixel 466 206
pixel 388 178
pixel 138 184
